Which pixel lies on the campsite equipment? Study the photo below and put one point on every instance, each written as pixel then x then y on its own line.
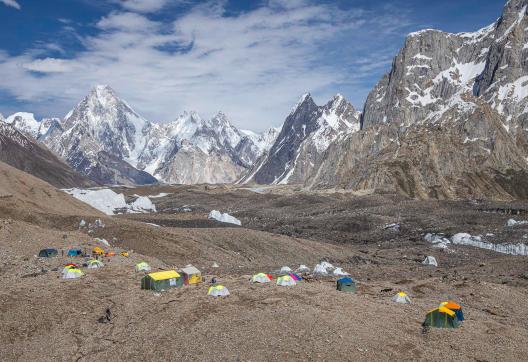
pixel 295 277
pixel 402 298
pixel 48 253
pixel 162 280
pixel 142 267
pixel 441 318
pixel 286 281
pixel 98 251
pixel 95 264
pixel 260 278
pixel 71 273
pixel 430 260
pixel 75 252
pixel 125 254
pixel 346 285
pixel 455 308
pixel 218 291
pixel 191 275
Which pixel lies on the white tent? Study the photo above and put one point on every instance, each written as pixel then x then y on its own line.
pixel 218 291
pixel 402 298
pixel 143 267
pixel 286 281
pixel 303 269
pixel 71 273
pixel 285 270
pixel 323 267
pixel 260 278
pixel 430 260
pixel 95 264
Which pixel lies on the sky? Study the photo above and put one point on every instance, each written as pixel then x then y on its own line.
pixel 251 59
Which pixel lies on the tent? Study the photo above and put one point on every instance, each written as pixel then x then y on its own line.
pixel 218 291
pixel 142 267
pixel 162 280
pixel 346 285
pixel 191 275
pixel 48 253
pixel 402 298
pixel 303 269
pixel 430 260
pixel 441 318
pixel 455 308
pixel 98 251
pixel 286 281
pixel 295 277
pixel 72 265
pixel 75 252
pixel 110 254
pixel 71 273
pixel 338 272
pixel 95 264
pixel 125 254
pixel 260 278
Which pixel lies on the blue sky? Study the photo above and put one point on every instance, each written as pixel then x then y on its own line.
pixel 250 59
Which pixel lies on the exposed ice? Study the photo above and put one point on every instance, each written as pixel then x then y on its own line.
pixel 224 217
pixel 512 222
pixel 109 202
pixel 323 267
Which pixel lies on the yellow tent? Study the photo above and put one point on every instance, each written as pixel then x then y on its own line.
pixel 97 250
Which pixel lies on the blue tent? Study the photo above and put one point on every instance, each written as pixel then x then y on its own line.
pixel 345 280
pixel 346 285
pixel 74 252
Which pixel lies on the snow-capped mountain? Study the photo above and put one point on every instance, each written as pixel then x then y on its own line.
pixel 305 136
pixel 106 140
pixel 450 119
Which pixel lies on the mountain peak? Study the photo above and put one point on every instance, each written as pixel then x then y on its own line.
pixel 306 98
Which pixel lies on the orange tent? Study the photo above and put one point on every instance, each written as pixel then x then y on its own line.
pixel 110 253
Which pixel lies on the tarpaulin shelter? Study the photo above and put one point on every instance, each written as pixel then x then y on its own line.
pixel 346 285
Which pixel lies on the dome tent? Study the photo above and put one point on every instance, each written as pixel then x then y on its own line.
pixel 142 266
pixel 402 298
pixel 71 272
pixel 95 264
pixel 48 253
pixel 260 278
pixel 285 270
pixel 286 281
pixel 455 308
pixel 75 252
pixel 303 269
pixel 441 317
pixel 430 260
pixel 218 291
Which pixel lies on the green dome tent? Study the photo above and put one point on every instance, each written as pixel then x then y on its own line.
pixel 441 318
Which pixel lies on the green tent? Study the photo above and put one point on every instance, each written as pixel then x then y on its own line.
pixel 346 285
pixel 162 280
pixel 441 318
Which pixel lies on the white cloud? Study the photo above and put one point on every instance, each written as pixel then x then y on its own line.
pixel 253 65
pixel 143 6
pixel 11 3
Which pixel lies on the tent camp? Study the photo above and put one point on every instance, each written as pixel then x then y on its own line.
pixel 48 253
pixel 402 298
pixel 286 281
pixel 346 285
pixel 260 278
pixel 430 260
pixel 162 280
pixel 98 251
pixel 441 318
pixel 191 275
pixel 95 264
pixel 455 308
pixel 218 291
pixel 75 252
pixel 71 272
pixel 142 267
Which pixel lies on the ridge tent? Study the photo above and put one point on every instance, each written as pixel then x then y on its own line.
pixel 191 275
pixel 95 264
pixel 71 273
pixel 286 281
pixel 455 308
pixel 142 266
pixel 346 285
pixel 218 291
pixel 402 298
pixel 430 260
pixel 260 278
pixel 48 253
pixel 441 317
pixel 75 252
pixel 162 280
pixel 98 251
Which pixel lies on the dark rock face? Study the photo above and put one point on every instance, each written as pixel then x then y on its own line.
pixel 25 154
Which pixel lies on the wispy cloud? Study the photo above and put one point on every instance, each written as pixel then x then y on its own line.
pixel 252 65
pixel 11 3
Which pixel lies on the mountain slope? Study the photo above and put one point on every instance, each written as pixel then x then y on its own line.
pixel 448 121
pixel 27 155
pixel 306 134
